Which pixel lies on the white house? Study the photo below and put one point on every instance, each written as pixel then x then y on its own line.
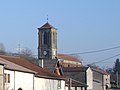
pixel 17 79
pixel 1 76
pixel 48 84
pixel 101 79
pixel 20 73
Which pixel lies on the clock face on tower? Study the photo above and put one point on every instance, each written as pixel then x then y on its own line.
pixel 47 48
pixel 45 52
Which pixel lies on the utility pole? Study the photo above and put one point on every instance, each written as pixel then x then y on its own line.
pixel 117 78
pixel 70 83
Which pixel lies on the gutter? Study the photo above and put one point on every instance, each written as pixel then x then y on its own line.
pixel 48 77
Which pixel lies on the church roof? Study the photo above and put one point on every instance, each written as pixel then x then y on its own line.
pixel 46 25
pixel 68 57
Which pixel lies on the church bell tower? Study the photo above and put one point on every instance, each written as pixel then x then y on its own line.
pixel 47 42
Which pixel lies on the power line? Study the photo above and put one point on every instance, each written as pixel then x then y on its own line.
pixel 100 62
pixel 106 59
pixel 95 51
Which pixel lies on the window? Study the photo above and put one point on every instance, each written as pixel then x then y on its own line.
pixel 7 78
pixel 45 38
pixel 54 39
pixel 59 84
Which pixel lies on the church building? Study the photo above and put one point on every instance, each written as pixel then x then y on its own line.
pixel 47 49
pixel 49 58
pixel 47 42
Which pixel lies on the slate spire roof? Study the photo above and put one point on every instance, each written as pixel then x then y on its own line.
pixel 46 25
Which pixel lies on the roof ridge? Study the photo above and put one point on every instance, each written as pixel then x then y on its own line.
pixel 27 64
pixel 69 57
pixel 46 25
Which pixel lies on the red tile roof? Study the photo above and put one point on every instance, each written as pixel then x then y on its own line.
pixel 68 57
pixel 25 63
pixel 12 66
pixel 100 71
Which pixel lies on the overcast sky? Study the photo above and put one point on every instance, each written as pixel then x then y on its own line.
pixel 82 25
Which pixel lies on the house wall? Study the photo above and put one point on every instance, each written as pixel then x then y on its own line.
pixel 96 85
pixel 1 77
pixel 103 80
pixel 80 76
pixel 106 81
pixel 89 76
pixel 19 80
pixel 24 81
pixel 72 88
pixel 75 88
pixel 99 77
pixel 78 88
pixel 11 85
pixel 48 84
pixel 68 63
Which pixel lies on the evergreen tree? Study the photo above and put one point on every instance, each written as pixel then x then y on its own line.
pixel 117 66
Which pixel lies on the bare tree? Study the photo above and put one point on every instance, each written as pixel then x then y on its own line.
pixel 26 51
pixel 28 55
pixel 2 48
